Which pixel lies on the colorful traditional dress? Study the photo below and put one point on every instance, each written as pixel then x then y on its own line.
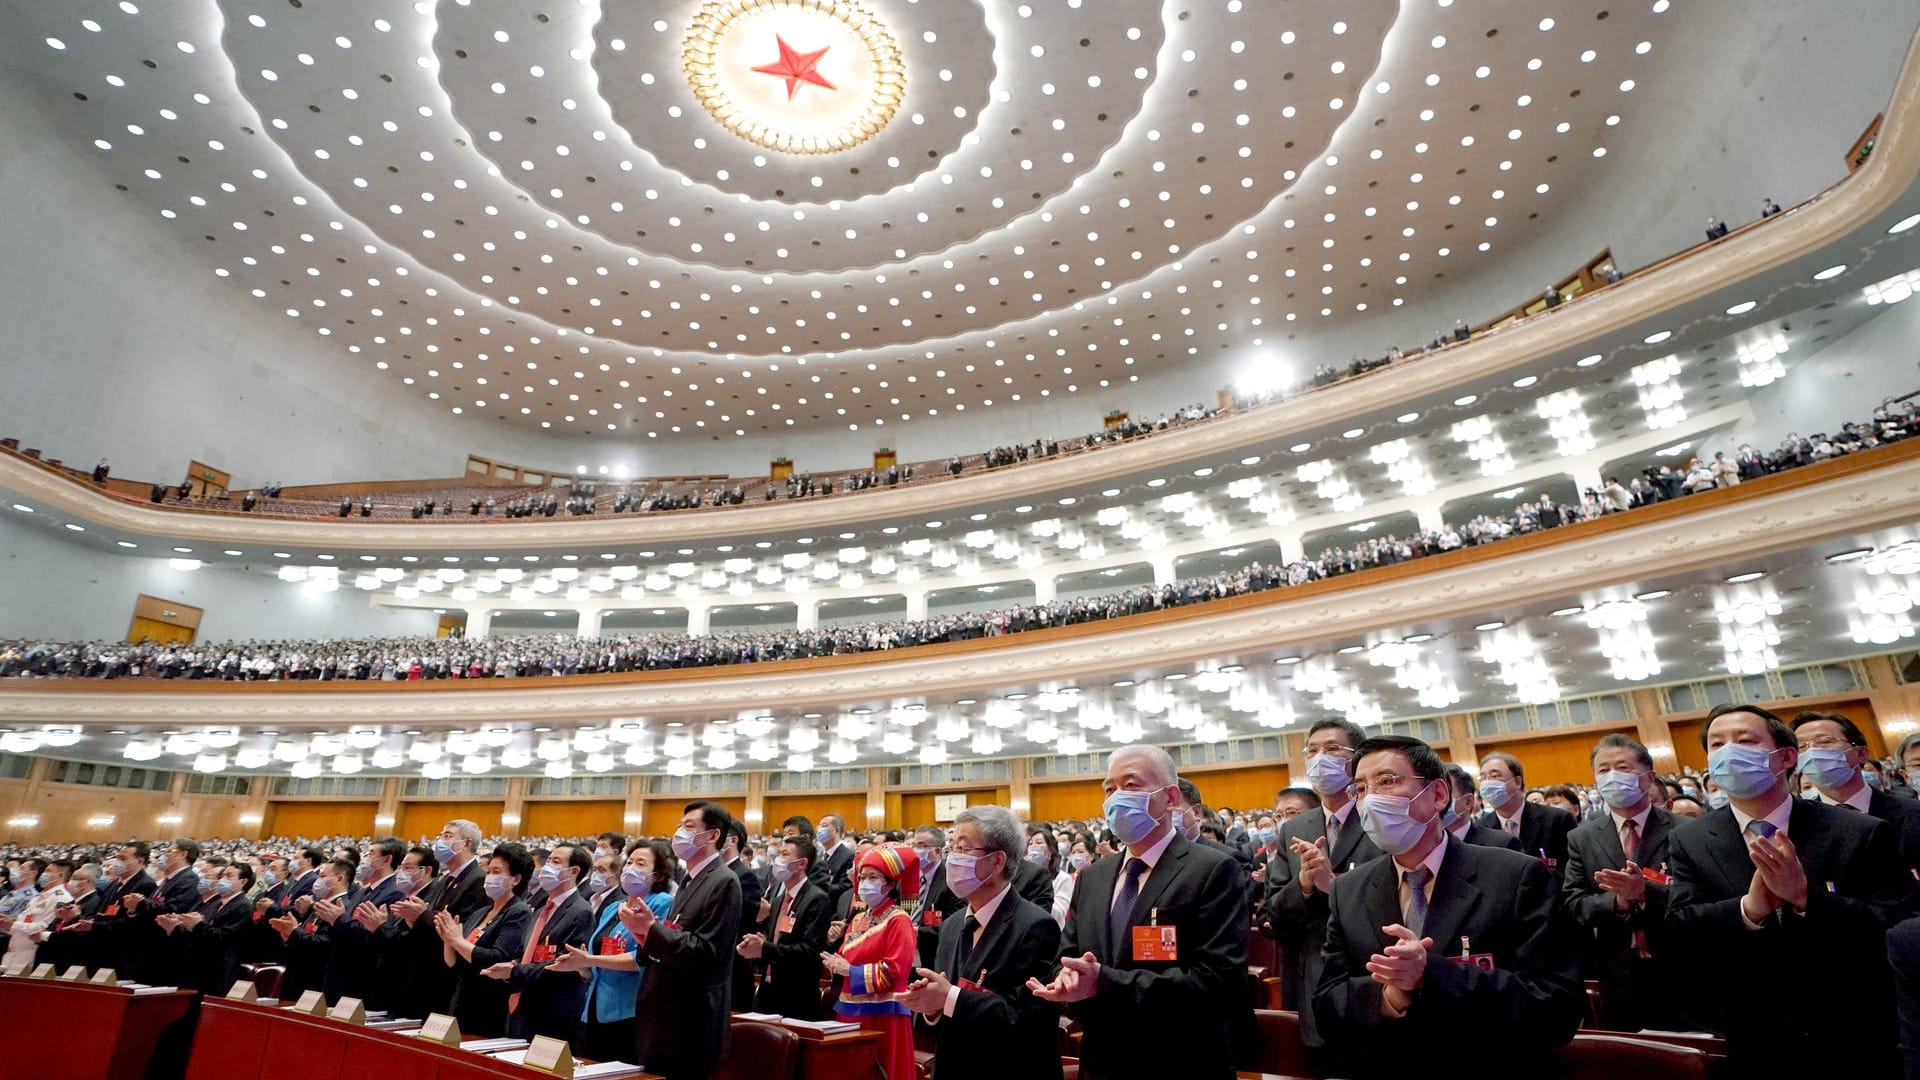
pixel 880 946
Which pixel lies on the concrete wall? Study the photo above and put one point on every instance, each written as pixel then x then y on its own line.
pixel 70 590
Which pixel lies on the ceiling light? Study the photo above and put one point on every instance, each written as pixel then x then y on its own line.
pixel 1904 223
pixel 1494 625
pixel 1656 594
pixel 1742 307
pixel 1849 556
pixel 1751 575
pixel 1831 272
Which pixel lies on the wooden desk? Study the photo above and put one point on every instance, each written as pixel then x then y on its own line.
pixel 52 1028
pixel 242 1041
pixel 844 1055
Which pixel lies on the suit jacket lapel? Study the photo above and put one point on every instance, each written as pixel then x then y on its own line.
pixel 975 957
pixel 1610 841
pixel 1729 851
pixel 1157 882
pixel 1382 900
pixel 1350 836
pixel 1099 880
pixel 1455 895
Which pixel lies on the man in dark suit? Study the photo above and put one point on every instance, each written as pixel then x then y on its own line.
pixel 750 890
pixel 1459 816
pixel 111 929
pixel 411 946
pixel 1903 952
pixel 1541 830
pixel 213 932
pixel 1315 847
pixel 787 944
pixel 353 964
pixel 1614 891
pixel 65 946
pixel 308 935
pixel 302 870
pixel 1832 753
pixel 683 1028
pixel 937 901
pixel 985 1019
pixel 1156 940
pixel 836 855
pixel 149 956
pixel 1767 881
pixel 546 1002
pixel 1441 937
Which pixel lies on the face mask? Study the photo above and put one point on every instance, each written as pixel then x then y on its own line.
pixel 1690 790
pixel 269 879
pixel 601 853
pixel 1716 799
pixel 43 880
pixel 1038 856
pixel 1265 836
pixel 363 873
pixel 1811 794
pixel 1872 778
pixel 1327 774
pixel 442 851
pixel 1448 817
pixel 1742 771
pixel 1187 825
pixel 1078 860
pixel 962 877
pixel 873 893
pixel 547 877
pixel 1619 789
pixel 203 882
pixel 1128 816
pixel 17 877
pixel 1826 766
pixel 115 867
pixel 403 879
pixel 929 858
pixel 498 887
pixel 782 870
pixel 1388 823
pixel 223 887
pixel 686 844
pixel 598 882
pixel 635 881
pixel 1494 793
pixel 821 838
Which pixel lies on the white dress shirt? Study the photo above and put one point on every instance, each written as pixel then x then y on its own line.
pixel 1151 857
pixel 983 916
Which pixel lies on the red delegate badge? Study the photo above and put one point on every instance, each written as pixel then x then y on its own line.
pixel 1156 944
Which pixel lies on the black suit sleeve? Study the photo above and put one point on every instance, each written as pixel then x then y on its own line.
pixel 995 1017
pixel 509 938
pixel 698 944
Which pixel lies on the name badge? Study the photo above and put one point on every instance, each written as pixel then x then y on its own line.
pixel 671 924
pixel 612 946
pixel 969 984
pixel 1483 961
pixel 1657 877
pixel 542 954
pixel 785 925
pixel 1156 944
pixel 931 917
pixel 112 909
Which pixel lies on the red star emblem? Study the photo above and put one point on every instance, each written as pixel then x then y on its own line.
pixel 796 67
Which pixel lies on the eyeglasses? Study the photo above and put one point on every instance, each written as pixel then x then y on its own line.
pixel 1335 750
pixel 951 850
pixel 1826 742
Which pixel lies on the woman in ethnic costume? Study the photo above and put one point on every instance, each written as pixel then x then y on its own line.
pixel 876 959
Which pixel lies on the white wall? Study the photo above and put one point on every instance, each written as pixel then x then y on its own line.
pixel 53 587
pixel 181 365
pixel 1841 382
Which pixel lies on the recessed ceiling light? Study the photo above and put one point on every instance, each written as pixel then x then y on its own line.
pixel 189 551
pixel 237 551
pixel 1418 638
pixel 1525 381
pixel 1849 556
pixel 126 543
pixel 1122 684
pixel 1743 307
pixel 1351 649
pixel 1657 337
pixel 1751 575
pixel 1288 660
pixel 74 527
pixel 1466 400
pixel 1560 612
pixel 1253 460
pixel 1176 676
pixel 1587 361
pixel 1301 447
pixel 1494 625
pixel 1157 482
pixel 1831 272
pixel 1656 594
pixel 23 508
pixel 1904 223
pixel 1407 417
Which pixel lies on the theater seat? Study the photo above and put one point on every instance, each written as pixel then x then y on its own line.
pixel 1609 1057
pixel 1270 996
pixel 1278 1047
pixel 760 1052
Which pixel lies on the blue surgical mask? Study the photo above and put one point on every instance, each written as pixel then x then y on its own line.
pixel 1826 766
pixel 1690 789
pixel 961 876
pixel 686 844
pixel 202 882
pixel 1871 777
pixel 547 877
pixel 874 893
pixel 1495 793
pixel 223 887
pixel 403 880
pixel 1620 789
pixel 782 870
pixel 442 851
pixel 1742 771
pixel 1128 816
pixel 498 886
pixel 1327 774
pixel 1390 825
pixel 597 882
pixel 1716 799
pixel 1079 860
pixel 635 881
pixel 269 879
pixel 1039 856
pixel 44 880
pixel 1265 835
pixel 1186 824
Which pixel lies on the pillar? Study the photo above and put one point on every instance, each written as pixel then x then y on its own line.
pixel 253 813
pixel 808 614
pixel 1292 548
pixel 634 814
pixel 1652 730
pixel 510 810
pixel 916 604
pixel 876 798
pixel 388 815
pixel 479 620
pixel 1460 746
pixel 1162 570
pixel 756 808
pixel 1044 587
pixel 590 622
pixel 699 618
pixel 1429 517
pixel 1586 475
pixel 1019 790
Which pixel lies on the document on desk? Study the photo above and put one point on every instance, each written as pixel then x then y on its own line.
pixel 824 1027
pixel 393 1025
pixel 764 1018
pixel 145 990
pixel 599 1070
pixel 488 1046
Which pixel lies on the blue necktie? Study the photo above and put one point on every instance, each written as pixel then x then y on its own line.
pixel 1123 899
pixel 1762 829
pixel 1416 914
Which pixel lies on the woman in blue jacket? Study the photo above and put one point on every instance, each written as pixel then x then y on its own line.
pixel 610 960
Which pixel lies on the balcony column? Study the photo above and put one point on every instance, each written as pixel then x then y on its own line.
pixel 809 614
pixel 916 605
pixel 1044 588
pixel 590 622
pixel 1292 549
pixel 479 620
pixel 1162 570
pixel 1586 475
pixel 1429 518
pixel 699 618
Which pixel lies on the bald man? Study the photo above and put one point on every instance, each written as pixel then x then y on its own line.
pixel 1156 940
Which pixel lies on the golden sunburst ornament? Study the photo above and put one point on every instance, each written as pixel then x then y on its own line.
pixel 797 76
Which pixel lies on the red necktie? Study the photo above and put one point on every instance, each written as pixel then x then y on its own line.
pixel 526 955
pixel 1630 843
pixel 786 908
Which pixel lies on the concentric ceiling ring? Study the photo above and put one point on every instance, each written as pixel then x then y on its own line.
pixel 878 84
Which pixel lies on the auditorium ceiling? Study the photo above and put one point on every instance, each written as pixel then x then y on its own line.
pixel 739 217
